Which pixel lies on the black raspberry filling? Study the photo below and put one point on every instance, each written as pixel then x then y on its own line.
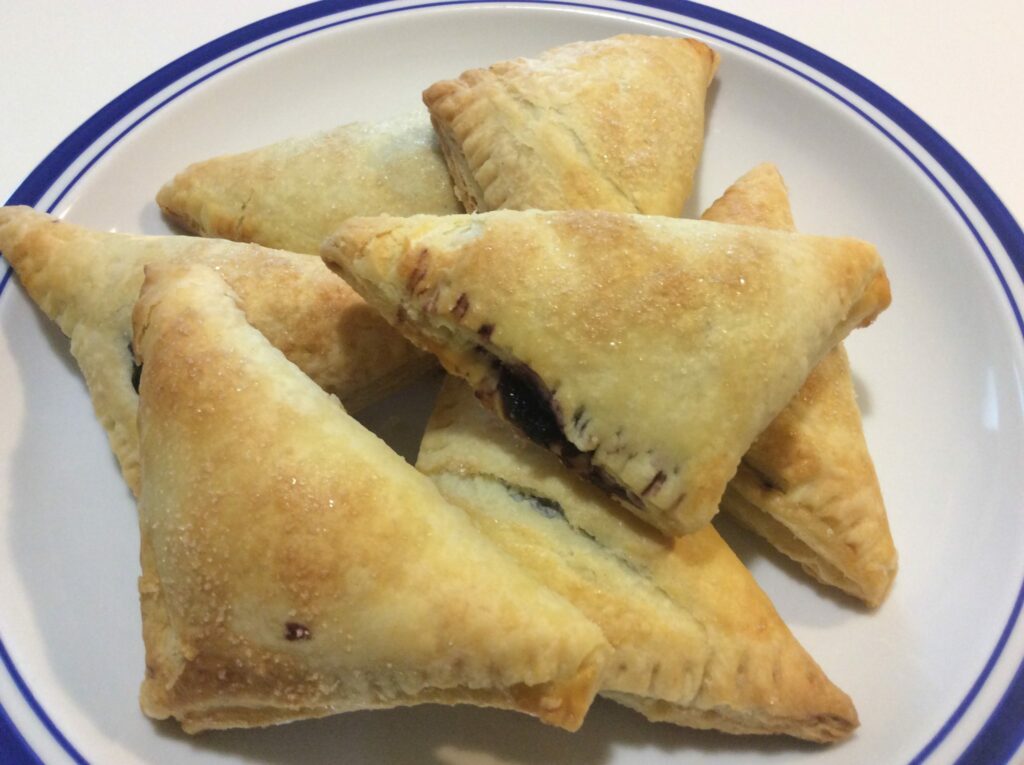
pixel 523 400
pixel 549 508
pixel 553 509
pixel 136 368
pixel 767 482
pixel 527 404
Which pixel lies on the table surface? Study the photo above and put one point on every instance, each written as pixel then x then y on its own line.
pixel 956 65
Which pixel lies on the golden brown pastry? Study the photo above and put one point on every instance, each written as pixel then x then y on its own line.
pixel 311 570
pixel 808 484
pixel 647 352
pixel 695 641
pixel 87 281
pixel 291 194
pixel 615 124
pixel 758 198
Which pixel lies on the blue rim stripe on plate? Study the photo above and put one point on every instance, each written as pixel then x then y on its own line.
pixel 6 277
pixel 57 161
pixel 1003 732
pixel 13 747
pixel 88 166
pixel 33 703
pixel 995 741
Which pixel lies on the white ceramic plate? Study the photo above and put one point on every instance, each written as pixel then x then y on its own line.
pixel 936 673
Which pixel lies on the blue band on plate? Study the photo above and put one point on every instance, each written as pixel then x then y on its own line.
pixel 13 747
pixel 1003 732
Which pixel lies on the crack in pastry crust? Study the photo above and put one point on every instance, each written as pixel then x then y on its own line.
pixel 520 397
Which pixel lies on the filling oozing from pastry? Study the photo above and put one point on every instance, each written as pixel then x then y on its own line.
pixel 521 398
pixel 769 483
pixel 297 631
pixel 136 369
pixel 526 403
pixel 552 509
pixel 549 508
pixel 441 320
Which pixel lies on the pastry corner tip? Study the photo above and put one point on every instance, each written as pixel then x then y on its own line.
pixel 712 58
pixel 26 242
pixel 162 282
pixel 878 590
pixel 351 241
pixel 16 219
pixel 877 296
pixel 564 704
pixel 834 727
pixel 177 205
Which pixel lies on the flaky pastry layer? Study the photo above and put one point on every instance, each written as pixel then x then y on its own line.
pixel 752 675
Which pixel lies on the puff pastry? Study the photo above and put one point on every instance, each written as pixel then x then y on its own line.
pixel 615 124
pixel 807 484
pixel 648 352
pixel 706 650
pixel 292 194
pixel 314 571
pixel 87 281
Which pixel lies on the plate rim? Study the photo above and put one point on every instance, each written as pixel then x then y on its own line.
pixel 1002 732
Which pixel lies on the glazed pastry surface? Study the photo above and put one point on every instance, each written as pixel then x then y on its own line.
pixel 294 566
pixel 647 352
pixel 292 194
pixel 614 124
pixel 808 484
